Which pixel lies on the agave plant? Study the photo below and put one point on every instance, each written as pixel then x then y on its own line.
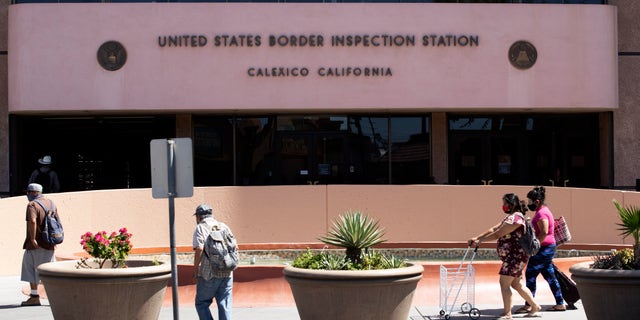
pixel 630 226
pixel 355 232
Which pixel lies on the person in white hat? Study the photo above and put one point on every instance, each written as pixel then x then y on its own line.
pixel 45 176
pixel 36 251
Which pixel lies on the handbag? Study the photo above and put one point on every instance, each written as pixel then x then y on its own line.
pixel 561 231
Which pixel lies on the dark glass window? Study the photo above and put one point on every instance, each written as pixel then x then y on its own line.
pixel 255 150
pixel 556 149
pixel 372 148
pixel 89 153
pixel 566 1
pixel 470 124
pixel 212 151
pixel 330 149
pixel 410 150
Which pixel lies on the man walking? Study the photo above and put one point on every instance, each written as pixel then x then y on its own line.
pixel 36 251
pixel 214 279
pixel 45 176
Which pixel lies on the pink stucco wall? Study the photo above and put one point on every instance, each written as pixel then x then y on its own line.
pixel 53 67
pixel 299 214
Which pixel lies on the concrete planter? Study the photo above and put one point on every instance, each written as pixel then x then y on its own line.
pixel 352 295
pixel 135 292
pixel 607 294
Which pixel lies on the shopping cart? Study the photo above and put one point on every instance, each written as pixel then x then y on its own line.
pixel 459 283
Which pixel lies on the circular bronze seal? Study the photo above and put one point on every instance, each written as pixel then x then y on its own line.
pixel 112 55
pixel 522 55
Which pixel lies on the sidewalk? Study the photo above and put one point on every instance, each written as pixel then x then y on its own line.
pixel 11 296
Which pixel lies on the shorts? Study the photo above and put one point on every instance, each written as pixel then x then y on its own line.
pixel 30 262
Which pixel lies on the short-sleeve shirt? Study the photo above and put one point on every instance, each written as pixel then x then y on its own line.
pixel 34 209
pixel 202 232
pixel 544 213
pixel 515 235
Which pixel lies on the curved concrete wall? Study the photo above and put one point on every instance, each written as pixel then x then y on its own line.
pixel 298 214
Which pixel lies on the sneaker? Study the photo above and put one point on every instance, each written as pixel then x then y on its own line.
pixel 34 300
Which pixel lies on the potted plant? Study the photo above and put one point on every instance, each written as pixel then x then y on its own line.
pixel 361 284
pixel 609 286
pixel 109 286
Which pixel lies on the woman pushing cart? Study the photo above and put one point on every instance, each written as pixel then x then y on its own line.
pixel 513 257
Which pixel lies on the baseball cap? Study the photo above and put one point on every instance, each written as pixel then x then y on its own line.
pixel 203 209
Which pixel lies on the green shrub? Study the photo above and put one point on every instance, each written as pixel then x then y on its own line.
pixel 617 260
pixel 323 260
pixel 356 233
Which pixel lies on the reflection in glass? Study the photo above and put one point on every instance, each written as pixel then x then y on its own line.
pixel 373 146
pixel 460 124
pixel 213 151
pixel 410 150
pixel 311 149
pixel 254 150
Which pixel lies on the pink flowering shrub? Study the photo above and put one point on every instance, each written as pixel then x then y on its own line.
pixel 114 247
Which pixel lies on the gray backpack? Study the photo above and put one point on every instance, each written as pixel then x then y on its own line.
pixel 52 231
pixel 221 249
pixel 529 242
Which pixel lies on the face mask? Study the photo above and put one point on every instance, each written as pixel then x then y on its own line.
pixel 506 209
pixel 32 197
pixel 532 206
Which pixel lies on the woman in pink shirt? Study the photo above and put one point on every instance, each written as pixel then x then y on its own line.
pixel 542 262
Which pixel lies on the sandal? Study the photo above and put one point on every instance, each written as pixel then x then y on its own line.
pixel 504 318
pixel 533 313
pixel 558 307
pixel 524 309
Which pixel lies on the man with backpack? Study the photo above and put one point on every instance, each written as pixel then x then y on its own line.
pixel 215 258
pixel 45 176
pixel 37 250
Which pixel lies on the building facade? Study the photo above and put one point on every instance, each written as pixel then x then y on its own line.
pixel 323 93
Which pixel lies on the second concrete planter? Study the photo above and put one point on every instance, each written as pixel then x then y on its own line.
pixel 352 295
pixel 607 294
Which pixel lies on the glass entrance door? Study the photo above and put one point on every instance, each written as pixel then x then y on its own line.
pixel 558 150
pixel 485 159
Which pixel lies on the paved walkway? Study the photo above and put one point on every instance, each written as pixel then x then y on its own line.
pixel 11 295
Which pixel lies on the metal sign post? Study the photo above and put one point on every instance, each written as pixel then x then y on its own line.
pixel 170 179
pixel 172 230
